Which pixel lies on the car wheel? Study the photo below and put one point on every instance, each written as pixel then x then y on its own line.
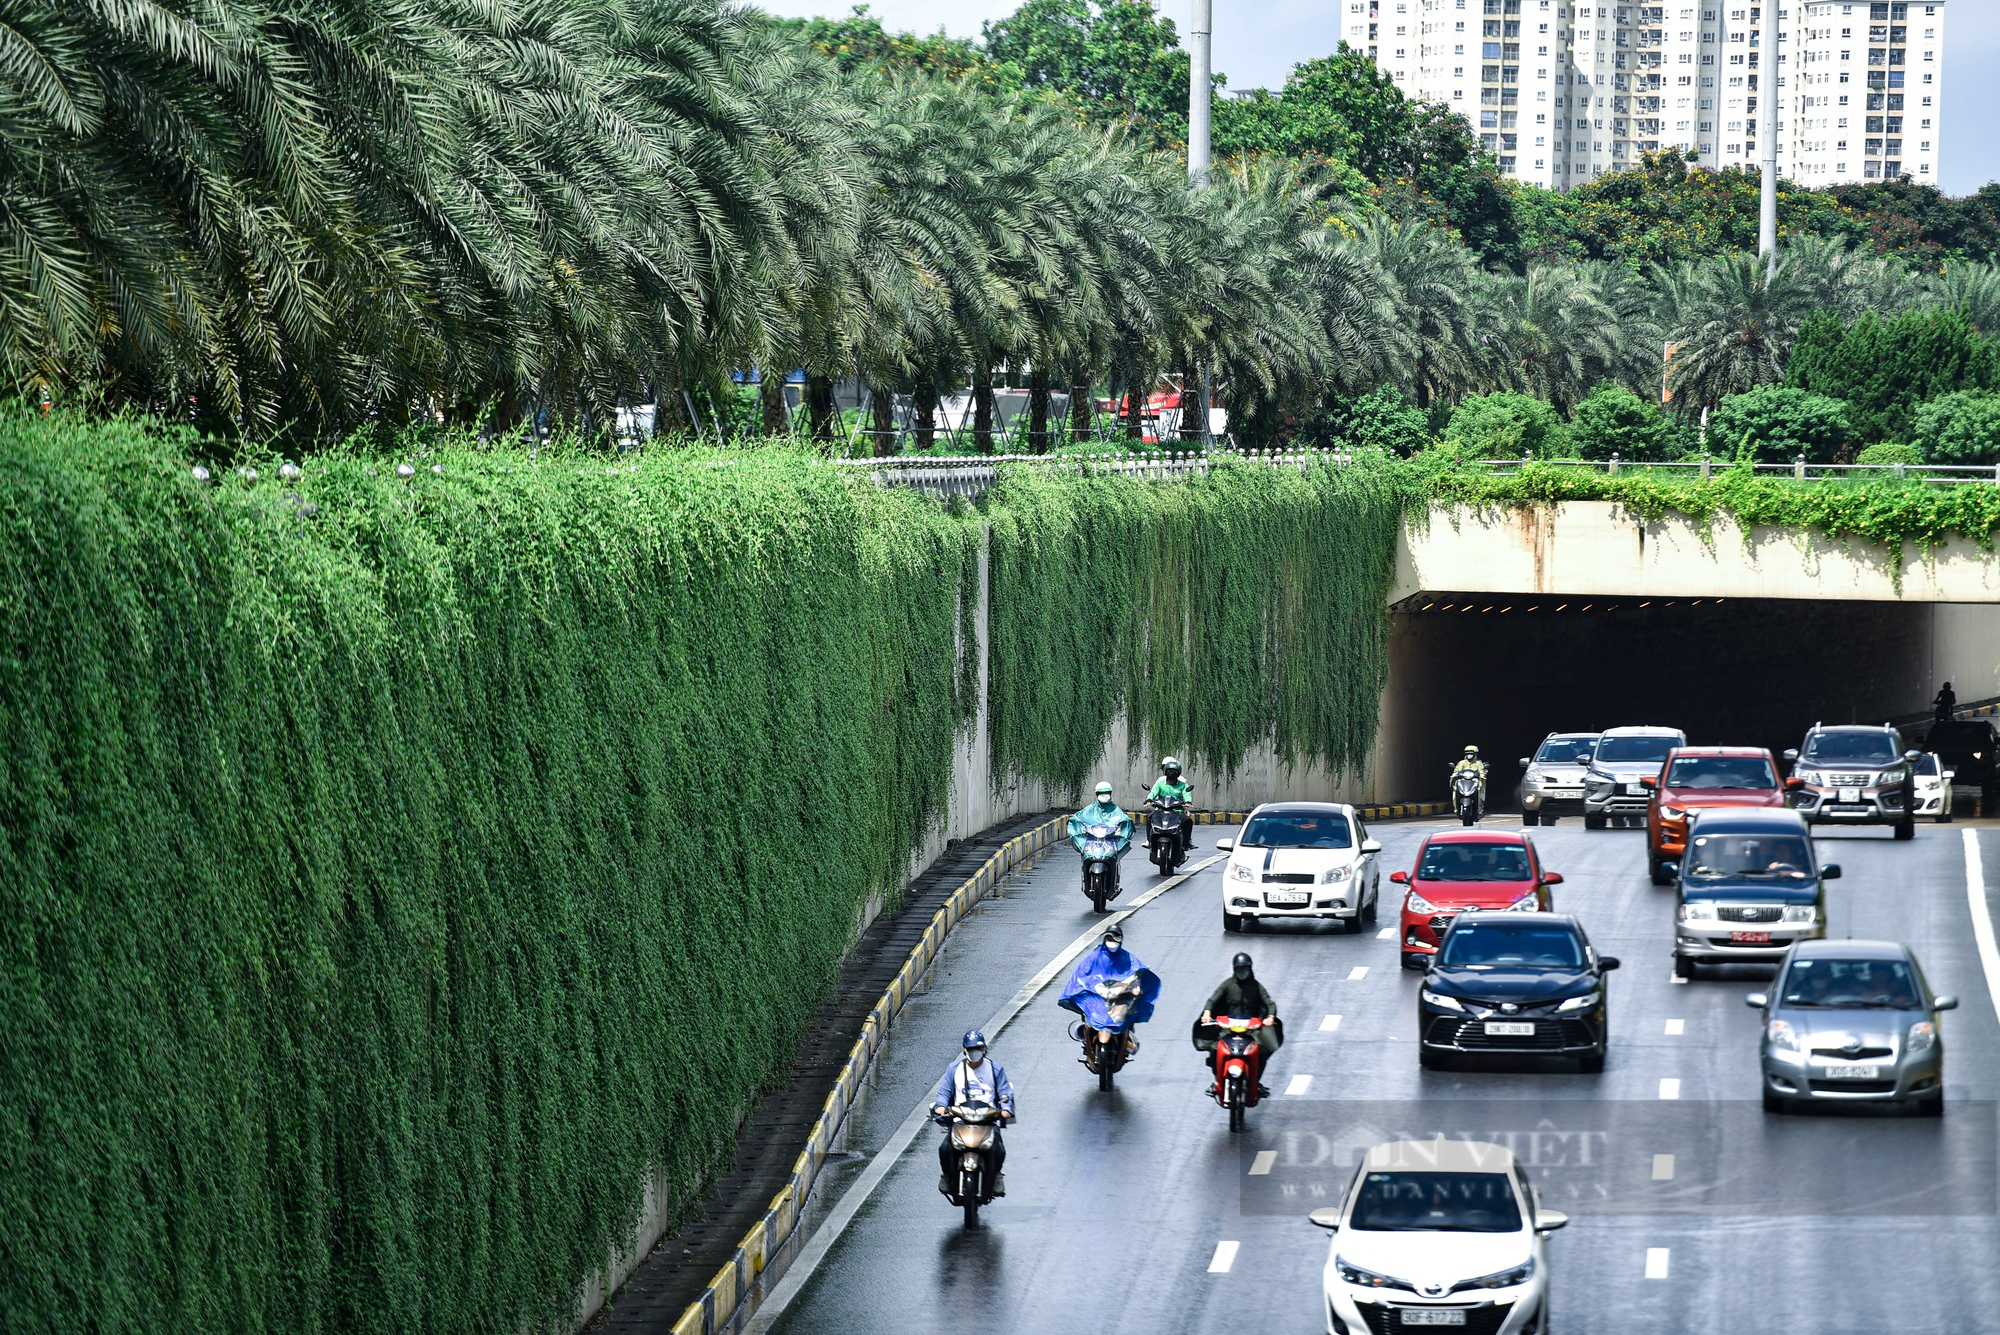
pixel 1430 1061
pixel 1683 967
pixel 1530 819
pixel 1374 909
pixel 1931 1107
pixel 1231 922
pixel 1353 925
pixel 1775 1103
pixel 1411 960
pixel 1906 828
pixel 1655 872
pixel 1944 815
pixel 1593 822
pixel 1591 1065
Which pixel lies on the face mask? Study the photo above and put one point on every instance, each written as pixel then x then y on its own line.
pixel 1242 975
pixel 975 1055
pixel 1114 945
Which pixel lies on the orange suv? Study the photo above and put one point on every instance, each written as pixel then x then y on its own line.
pixel 1704 776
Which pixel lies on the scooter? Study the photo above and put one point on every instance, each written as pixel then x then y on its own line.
pixel 1468 798
pixel 1239 1064
pixel 973 1129
pixel 1100 865
pixel 1108 1046
pixel 1166 835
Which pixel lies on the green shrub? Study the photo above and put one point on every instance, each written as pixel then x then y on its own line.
pixel 1960 429
pixel 1613 420
pixel 1506 426
pixel 1884 370
pixel 1381 419
pixel 1889 452
pixel 1773 424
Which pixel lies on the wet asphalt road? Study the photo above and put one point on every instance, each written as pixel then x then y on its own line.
pixel 1846 1222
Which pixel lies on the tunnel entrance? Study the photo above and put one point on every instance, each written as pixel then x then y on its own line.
pixel 1502 671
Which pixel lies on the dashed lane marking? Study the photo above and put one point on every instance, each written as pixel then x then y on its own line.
pixel 1678 980
pixel 1656 1262
pixel 1670 1088
pixel 1261 1165
pixel 1298 1084
pixel 1677 1027
pixel 1225 1257
pixel 1357 973
pixel 1663 1168
pixel 1329 1024
pixel 1386 934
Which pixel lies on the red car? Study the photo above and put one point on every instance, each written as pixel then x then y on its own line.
pixel 1704 776
pixel 1468 869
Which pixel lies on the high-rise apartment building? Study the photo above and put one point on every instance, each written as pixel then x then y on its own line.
pixel 1562 92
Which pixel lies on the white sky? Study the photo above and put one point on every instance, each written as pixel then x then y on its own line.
pixel 1258 41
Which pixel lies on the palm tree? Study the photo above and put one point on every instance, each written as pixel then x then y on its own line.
pixel 1431 278
pixel 1734 325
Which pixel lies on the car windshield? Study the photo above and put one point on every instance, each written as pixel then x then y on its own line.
pixel 1423 1202
pixel 1850 985
pixel 1871 744
pixel 1473 862
pixel 1494 945
pixel 1721 772
pixel 1632 750
pixel 1297 829
pixel 1784 856
pixel 1566 750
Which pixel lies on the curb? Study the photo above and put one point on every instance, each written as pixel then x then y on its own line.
pixel 733 1286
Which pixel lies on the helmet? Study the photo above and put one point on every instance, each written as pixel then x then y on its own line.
pixel 1114 935
pixel 1170 766
pixel 1104 792
pixel 1240 966
pixel 974 1046
pixel 1472 750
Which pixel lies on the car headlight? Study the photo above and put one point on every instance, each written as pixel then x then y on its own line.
pixel 1923 1034
pixel 1782 1035
pixel 1504 1279
pixel 1367 1279
pixel 1802 913
pixel 1440 1000
pixel 1673 813
pixel 1583 1002
pixel 1335 875
pixel 1889 778
pixel 1528 903
pixel 1418 904
pixel 1239 871
pixel 1698 913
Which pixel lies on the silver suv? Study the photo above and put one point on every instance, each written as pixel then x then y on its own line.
pixel 1853 774
pixel 1552 781
pixel 1612 792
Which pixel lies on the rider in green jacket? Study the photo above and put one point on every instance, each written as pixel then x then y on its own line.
pixel 1169 787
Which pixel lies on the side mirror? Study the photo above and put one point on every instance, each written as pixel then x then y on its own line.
pixel 1327 1217
pixel 1649 781
pixel 1552 878
pixel 1830 872
pixel 1371 845
pixel 1548 1221
pixel 1606 963
pixel 1400 877
pixel 1913 756
pixel 1949 775
pixel 1757 1001
pixel 1226 845
pixel 1670 868
pixel 1524 762
pixel 1791 753
pixel 1792 785
pixel 1944 1003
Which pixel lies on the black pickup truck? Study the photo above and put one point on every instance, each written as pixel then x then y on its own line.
pixel 1968 746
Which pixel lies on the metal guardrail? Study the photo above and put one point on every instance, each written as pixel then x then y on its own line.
pixel 973 475
pixel 1798 470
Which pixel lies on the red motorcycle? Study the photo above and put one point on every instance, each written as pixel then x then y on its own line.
pixel 1239 1065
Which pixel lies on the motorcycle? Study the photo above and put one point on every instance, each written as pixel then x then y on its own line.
pixel 1100 865
pixel 1468 797
pixel 1166 834
pixel 1106 1029
pixel 1239 1065
pixel 972 1128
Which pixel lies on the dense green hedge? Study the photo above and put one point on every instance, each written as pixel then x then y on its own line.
pixel 393 870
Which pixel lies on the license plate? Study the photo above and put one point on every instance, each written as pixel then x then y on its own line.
pixel 1288 898
pixel 1509 1029
pixel 1850 1071
pixel 1432 1316
pixel 1751 938
pixel 1635 789
pixel 1850 795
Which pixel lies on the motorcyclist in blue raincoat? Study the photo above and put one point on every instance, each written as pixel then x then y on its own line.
pixel 1103 811
pixel 1099 972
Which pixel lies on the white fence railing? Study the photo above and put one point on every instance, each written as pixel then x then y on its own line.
pixel 970 475
pixel 1798 469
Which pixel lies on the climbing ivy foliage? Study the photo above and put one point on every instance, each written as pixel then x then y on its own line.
pixel 1214 613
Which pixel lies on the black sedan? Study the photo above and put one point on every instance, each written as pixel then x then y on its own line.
pixel 1528 984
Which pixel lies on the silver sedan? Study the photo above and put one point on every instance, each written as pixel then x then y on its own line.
pixel 1852 1020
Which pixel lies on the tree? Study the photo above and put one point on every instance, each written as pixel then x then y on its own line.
pixel 1734 324
pixel 1962 428
pixel 1613 420
pixel 1381 419
pixel 1775 425
pixel 1506 426
pixel 1115 60
pixel 858 40
pixel 1885 369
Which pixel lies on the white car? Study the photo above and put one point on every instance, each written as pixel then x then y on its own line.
pixel 1441 1234
pixel 1933 789
pixel 1301 860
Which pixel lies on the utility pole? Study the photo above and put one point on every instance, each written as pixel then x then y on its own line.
pixel 1200 81
pixel 1767 201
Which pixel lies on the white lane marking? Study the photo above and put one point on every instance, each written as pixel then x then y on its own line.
pixel 1298 1084
pixel 1982 918
pixel 1357 973
pixel 1261 1165
pixel 1677 979
pixel 1386 934
pixel 1656 1262
pixel 821 1242
pixel 1677 1026
pixel 1329 1024
pixel 1663 1168
pixel 1225 1257
pixel 1670 1088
